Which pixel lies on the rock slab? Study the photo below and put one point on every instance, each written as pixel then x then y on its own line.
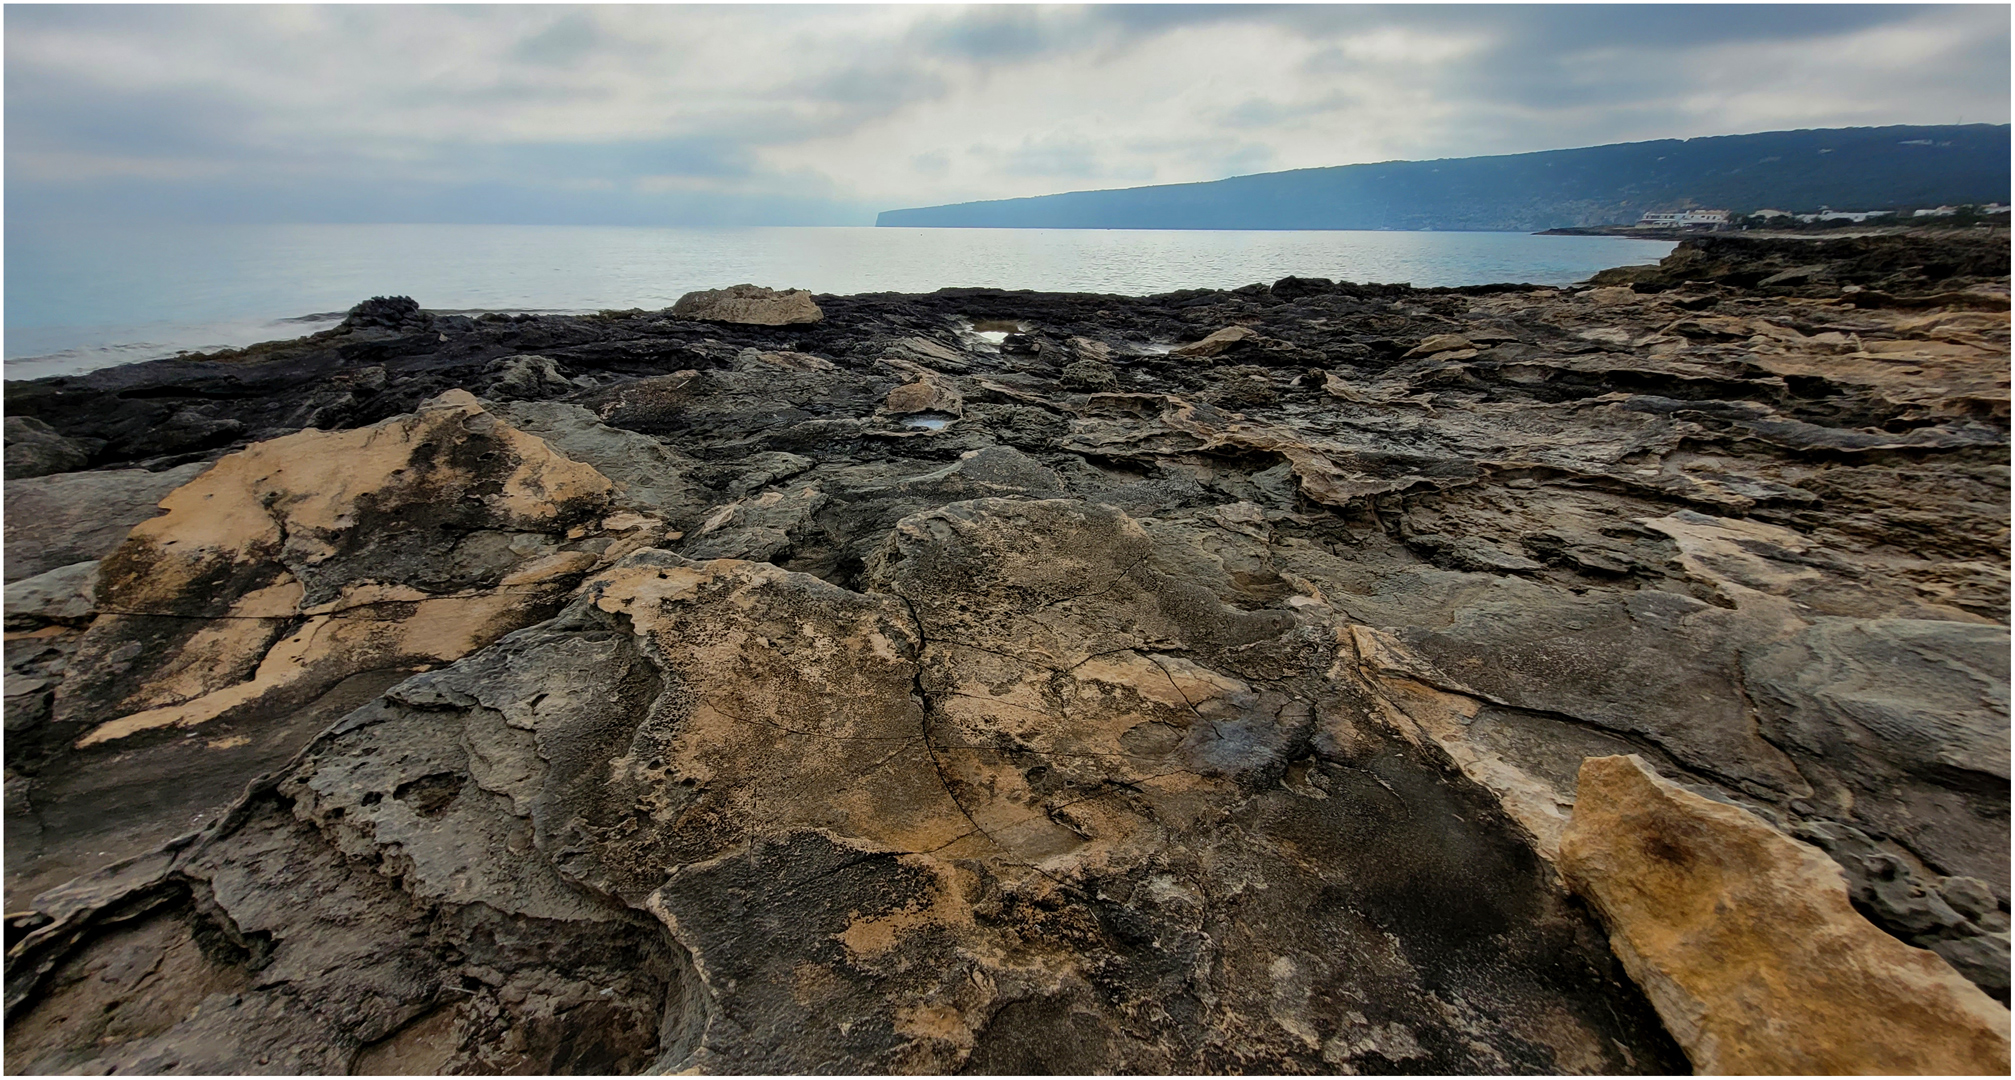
pixel 1746 943
pixel 75 517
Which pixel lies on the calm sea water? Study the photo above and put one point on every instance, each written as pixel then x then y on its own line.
pixel 82 298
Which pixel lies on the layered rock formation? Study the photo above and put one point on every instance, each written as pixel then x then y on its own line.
pixel 1184 683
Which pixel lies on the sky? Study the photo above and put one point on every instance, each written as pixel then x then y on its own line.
pixel 824 115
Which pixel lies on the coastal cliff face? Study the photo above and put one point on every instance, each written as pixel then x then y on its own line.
pixel 1012 682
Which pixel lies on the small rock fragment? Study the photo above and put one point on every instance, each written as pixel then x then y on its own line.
pixel 924 395
pixel 1217 342
pixel 1440 343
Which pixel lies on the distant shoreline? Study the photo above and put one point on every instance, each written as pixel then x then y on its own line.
pixel 1822 233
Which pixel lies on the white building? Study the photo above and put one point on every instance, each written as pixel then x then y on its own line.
pixel 1682 219
pixel 1856 216
pixel 1948 211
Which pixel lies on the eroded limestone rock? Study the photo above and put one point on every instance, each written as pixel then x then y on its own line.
pixel 1216 342
pixel 339 534
pixel 1139 713
pixel 77 517
pixel 1745 941
pixel 1027 781
pixel 284 586
pixel 751 304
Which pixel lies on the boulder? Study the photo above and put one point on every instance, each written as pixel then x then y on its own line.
pixel 392 543
pixel 760 528
pixel 1745 941
pixel 284 586
pixel 35 449
pixel 648 476
pixel 749 304
pixel 518 377
pixel 1092 370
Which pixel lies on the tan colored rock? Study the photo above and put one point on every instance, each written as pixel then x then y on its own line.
pixel 301 561
pixel 925 395
pixel 749 304
pixel 1091 349
pixel 1745 941
pixel 803 681
pixel 1217 342
pixel 1441 343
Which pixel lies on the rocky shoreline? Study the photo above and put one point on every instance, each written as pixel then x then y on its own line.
pixel 1311 677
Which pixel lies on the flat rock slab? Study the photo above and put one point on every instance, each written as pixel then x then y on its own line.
pixel 1746 942
pixel 1027 785
pixel 75 517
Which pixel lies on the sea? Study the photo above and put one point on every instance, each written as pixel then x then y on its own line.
pixel 80 297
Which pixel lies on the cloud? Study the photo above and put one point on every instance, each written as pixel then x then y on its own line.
pixel 571 40
pixel 823 114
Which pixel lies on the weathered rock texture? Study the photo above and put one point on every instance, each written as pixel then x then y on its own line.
pixel 76 517
pixel 749 304
pixel 1746 942
pixel 867 695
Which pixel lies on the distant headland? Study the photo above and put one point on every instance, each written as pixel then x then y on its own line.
pixel 1899 167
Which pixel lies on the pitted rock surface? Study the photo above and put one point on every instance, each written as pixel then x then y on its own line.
pixel 750 304
pixel 861 695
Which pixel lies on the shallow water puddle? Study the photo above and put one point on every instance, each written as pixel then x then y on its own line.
pixel 994 331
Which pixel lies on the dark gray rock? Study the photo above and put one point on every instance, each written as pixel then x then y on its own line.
pixel 66 594
pixel 35 449
pixel 76 517
pixel 519 377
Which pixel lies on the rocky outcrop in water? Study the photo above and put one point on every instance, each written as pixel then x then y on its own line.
pixel 994 682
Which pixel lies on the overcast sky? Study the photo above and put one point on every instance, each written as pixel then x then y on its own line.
pixel 824 115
